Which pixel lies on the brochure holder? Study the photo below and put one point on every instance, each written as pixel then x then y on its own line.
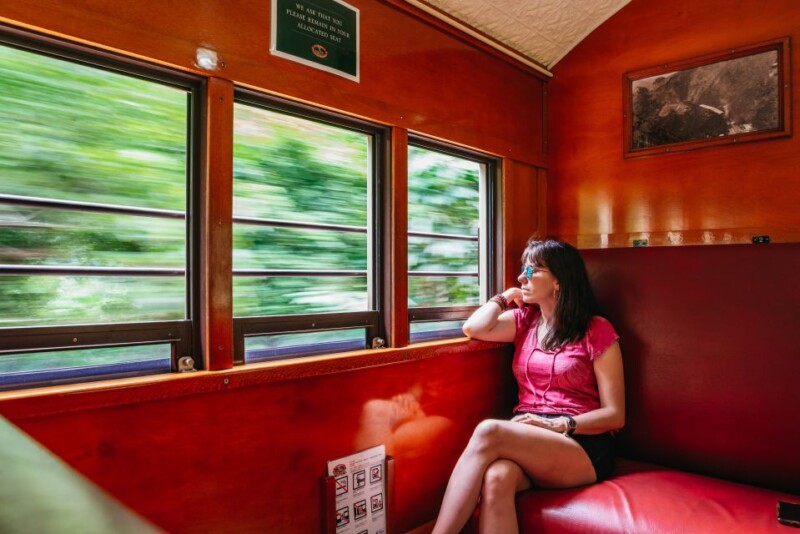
pixel 329 500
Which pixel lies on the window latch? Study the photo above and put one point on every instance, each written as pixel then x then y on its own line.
pixel 186 364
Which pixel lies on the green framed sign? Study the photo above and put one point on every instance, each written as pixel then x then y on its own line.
pixel 321 33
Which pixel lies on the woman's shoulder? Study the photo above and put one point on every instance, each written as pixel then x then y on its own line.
pixel 600 322
pixel 524 319
pixel 526 315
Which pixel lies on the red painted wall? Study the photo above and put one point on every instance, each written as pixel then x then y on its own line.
pixel 713 195
pixel 245 450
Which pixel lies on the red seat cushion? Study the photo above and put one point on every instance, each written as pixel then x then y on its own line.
pixel 646 498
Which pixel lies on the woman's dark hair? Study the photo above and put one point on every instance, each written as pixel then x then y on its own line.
pixel 575 304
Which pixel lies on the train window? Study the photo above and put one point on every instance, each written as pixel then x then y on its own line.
pixel 94 195
pixel 427 331
pixel 450 208
pixel 278 346
pixel 304 235
pixel 44 368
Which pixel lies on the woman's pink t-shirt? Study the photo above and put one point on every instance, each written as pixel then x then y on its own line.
pixel 560 381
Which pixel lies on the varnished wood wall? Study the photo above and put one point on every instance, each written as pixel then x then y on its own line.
pixel 713 195
pixel 243 449
pixel 525 188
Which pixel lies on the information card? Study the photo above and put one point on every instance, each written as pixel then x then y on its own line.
pixel 320 33
pixel 360 492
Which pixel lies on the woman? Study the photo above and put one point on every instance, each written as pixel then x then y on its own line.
pixel 568 366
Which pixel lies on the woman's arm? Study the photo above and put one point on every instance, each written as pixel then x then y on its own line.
pixel 491 323
pixel 611 387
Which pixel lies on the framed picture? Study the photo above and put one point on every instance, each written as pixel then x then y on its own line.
pixel 729 97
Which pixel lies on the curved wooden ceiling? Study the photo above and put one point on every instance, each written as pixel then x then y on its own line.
pixel 541 31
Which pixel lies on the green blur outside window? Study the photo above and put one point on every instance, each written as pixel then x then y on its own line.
pixel 303 241
pixel 94 171
pixel 448 236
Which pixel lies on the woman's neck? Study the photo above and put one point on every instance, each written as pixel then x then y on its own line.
pixel 547 313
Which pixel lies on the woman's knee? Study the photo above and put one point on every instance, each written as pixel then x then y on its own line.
pixel 500 479
pixel 486 435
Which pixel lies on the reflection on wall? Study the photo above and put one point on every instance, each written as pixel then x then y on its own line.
pixel 401 425
pixel 419 442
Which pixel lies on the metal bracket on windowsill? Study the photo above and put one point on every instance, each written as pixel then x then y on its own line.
pixel 186 364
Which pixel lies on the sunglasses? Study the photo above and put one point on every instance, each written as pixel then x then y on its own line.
pixel 529 271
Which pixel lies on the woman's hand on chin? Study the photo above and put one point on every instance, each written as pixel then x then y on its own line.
pixel 514 294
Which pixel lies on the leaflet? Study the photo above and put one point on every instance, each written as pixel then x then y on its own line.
pixel 360 491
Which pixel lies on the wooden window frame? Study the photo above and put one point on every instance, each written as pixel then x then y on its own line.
pixel 371 320
pixel 181 335
pixel 488 251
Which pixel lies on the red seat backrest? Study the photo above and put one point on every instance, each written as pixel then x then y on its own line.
pixel 711 343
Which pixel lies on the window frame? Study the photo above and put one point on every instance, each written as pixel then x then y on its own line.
pixel 490 230
pixel 181 335
pixel 371 320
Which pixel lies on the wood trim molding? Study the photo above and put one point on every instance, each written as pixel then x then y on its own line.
pixel 17 405
pixel 216 264
pixel 397 227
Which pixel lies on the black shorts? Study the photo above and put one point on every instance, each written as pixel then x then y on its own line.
pixel 601 451
pixel 600 448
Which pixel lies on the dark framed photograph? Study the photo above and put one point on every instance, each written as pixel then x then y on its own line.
pixel 729 97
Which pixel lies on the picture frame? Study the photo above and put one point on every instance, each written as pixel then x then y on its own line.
pixel 735 96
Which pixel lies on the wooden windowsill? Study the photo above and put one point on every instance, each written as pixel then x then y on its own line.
pixel 73 397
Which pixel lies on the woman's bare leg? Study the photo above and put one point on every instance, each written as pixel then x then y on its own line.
pixel 547 458
pixel 501 482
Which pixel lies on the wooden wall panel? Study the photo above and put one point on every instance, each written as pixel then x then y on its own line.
pixel 247 455
pixel 525 213
pixel 413 74
pixel 713 195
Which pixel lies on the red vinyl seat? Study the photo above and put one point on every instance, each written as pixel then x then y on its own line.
pixel 709 344
pixel 645 498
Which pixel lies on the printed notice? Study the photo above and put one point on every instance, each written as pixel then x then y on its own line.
pixel 321 33
pixel 360 487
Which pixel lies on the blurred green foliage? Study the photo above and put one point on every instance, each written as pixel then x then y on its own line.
pixel 443 198
pixel 293 169
pixel 74 132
